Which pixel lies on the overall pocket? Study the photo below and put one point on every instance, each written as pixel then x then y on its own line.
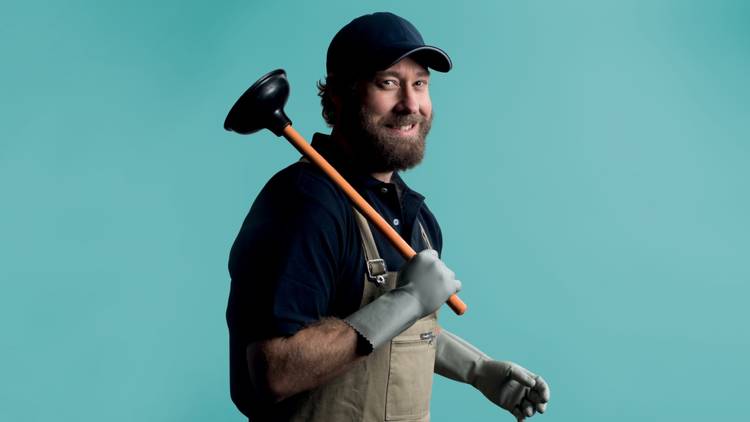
pixel 412 363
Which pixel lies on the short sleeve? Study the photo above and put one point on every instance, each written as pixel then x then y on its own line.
pixel 284 262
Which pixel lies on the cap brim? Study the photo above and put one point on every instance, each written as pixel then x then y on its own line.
pixel 428 56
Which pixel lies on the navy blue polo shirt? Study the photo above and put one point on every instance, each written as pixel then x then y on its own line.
pixel 299 258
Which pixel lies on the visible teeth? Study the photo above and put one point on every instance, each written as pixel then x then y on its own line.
pixel 406 127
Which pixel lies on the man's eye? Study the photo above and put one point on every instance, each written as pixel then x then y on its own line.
pixel 388 83
pixel 420 83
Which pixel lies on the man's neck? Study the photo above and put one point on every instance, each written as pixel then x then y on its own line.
pixel 341 142
pixel 383 177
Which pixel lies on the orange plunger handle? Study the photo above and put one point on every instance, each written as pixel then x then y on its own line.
pixel 458 306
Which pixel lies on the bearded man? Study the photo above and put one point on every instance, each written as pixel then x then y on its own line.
pixel 326 320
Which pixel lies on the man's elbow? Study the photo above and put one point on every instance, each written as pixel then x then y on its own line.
pixel 278 390
pixel 267 382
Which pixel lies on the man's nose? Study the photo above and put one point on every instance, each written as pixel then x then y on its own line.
pixel 408 103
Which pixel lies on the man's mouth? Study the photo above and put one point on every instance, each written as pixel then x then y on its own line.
pixel 403 128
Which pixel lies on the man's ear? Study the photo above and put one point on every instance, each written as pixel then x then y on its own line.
pixel 344 99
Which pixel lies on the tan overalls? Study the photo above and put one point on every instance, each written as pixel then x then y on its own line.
pixel 394 382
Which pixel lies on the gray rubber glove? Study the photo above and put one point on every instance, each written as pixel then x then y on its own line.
pixel 424 283
pixel 506 384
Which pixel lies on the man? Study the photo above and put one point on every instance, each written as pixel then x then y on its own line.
pixel 327 322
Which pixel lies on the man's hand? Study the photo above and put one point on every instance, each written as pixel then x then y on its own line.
pixel 512 387
pixel 428 280
pixel 506 384
pixel 425 283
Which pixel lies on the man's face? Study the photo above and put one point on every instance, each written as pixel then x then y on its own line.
pixel 388 126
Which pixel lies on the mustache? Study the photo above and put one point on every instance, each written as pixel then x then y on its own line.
pixel 404 120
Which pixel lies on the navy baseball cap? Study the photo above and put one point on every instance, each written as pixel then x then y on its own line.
pixel 376 42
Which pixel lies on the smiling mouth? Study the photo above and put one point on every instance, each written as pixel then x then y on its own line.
pixel 403 129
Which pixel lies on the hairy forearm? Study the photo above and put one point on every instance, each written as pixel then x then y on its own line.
pixel 284 366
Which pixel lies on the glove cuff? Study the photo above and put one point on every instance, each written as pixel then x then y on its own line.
pixel 458 359
pixel 384 318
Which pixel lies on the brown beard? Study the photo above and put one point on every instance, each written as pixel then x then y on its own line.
pixel 375 148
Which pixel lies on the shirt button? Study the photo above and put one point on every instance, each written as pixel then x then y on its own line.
pixel 384 190
pixel 396 222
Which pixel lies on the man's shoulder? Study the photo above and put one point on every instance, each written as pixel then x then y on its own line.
pixel 297 202
pixel 304 178
pixel 303 183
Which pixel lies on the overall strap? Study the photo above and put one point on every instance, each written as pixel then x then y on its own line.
pixel 376 268
pixel 425 238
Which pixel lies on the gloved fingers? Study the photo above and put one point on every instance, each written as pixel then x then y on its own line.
pixel 541 407
pixel 527 408
pixel 426 257
pixel 518 414
pixel 514 393
pixel 542 389
pixel 442 265
pixel 521 375
pixel 533 397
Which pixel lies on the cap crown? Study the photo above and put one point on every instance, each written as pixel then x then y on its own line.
pixel 374 42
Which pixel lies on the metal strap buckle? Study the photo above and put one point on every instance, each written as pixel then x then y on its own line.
pixel 376 270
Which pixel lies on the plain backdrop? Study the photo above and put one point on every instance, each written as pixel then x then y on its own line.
pixel 589 165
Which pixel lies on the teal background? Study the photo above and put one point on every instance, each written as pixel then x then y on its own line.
pixel 589 164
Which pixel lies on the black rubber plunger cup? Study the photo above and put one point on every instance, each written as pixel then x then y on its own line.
pixel 261 106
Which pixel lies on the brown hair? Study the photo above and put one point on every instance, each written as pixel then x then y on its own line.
pixel 326 101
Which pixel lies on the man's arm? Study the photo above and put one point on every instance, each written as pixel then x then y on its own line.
pixel 281 367
pixel 506 384
pixel 284 366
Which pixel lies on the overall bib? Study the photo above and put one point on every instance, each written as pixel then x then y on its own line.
pixel 394 382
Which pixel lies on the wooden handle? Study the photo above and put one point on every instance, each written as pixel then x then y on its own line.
pixel 458 306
